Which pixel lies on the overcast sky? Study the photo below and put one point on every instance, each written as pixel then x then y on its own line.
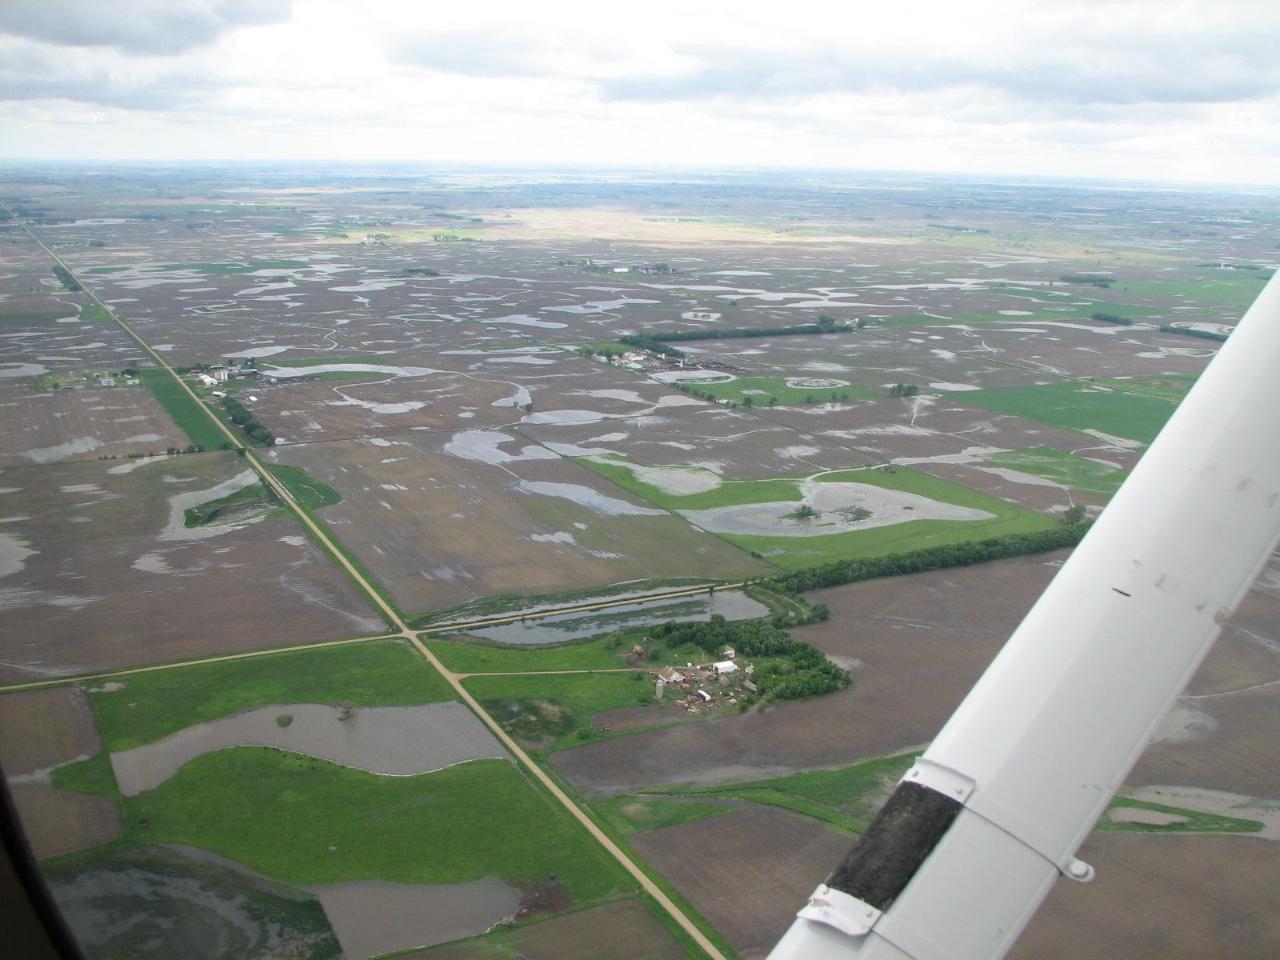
pixel 1166 90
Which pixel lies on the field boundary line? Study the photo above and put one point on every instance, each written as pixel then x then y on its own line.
pixel 177 664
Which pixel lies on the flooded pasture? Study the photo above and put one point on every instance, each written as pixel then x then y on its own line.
pixel 394 741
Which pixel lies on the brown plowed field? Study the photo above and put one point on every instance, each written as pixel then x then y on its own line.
pixel 1163 898
pixel 43 728
pixel 98 587
pixel 39 730
pixel 747 872
pixel 626 930
pixel 64 821
pixel 438 529
pixel 56 425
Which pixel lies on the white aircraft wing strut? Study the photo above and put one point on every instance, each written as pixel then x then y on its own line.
pixel 992 814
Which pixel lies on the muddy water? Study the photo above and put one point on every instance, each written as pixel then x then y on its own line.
pixel 371 917
pixel 13 553
pixel 176 529
pixel 834 503
pixel 730 604
pixel 397 741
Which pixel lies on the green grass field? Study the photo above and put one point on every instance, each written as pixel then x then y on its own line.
pixel 1196 821
pixel 186 413
pixel 516 703
pixel 33 316
pixel 846 798
pixel 310 493
pixel 243 500
pixel 1079 407
pixel 1236 289
pixel 1071 471
pixel 1170 386
pixel 793 553
pixel 602 653
pixel 481 657
pixel 761 389
pixel 630 814
pixel 304 821
pixel 149 706
pixel 729 493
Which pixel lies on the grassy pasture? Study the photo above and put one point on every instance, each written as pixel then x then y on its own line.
pixel 1170 386
pixel 1239 289
pixel 846 798
pixel 149 706
pixel 480 657
pixel 791 553
pixel 310 493
pixel 729 493
pixel 1076 406
pixel 519 703
pixel 305 820
pixel 186 413
pixel 1071 471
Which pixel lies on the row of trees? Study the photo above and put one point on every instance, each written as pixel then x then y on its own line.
pixel 1103 317
pixel 929 558
pixel 1100 280
pixel 825 324
pixel 246 421
pixel 786 668
pixel 65 278
pixel 1194 332
pixel 903 390
pixel 652 344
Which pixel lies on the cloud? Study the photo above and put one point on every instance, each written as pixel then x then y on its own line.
pixel 470 53
pixel 32 71
pixel 145 27
pixel 1067 69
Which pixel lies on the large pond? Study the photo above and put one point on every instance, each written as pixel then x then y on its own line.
pixel 396 741
pixel 730 604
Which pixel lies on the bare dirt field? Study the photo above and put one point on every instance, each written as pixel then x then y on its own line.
pixel 101 572
pixel 748 871
pixel 1163 898
pixel 64 821
pixel 625 930
pixel 40 730
pixel 90 423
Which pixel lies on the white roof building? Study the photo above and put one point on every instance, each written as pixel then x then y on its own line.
pixel 725 667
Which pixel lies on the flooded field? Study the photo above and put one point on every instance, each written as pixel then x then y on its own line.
pixel 396 741
pixel 371 917
pixel 730 604
pixel 495 392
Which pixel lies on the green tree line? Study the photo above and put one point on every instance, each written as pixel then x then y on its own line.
pixel 929 558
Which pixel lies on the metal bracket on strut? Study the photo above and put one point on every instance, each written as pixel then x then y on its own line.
pixel 840 911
